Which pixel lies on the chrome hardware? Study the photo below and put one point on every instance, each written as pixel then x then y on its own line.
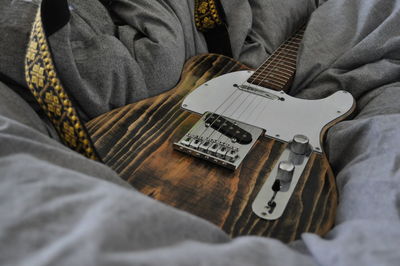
pixel 213 149
pixel 195 143
pixel 232 155
pixel 285 171
pixel 187 140
pixel 300 145
pixel 205 145
pixel 208 143
pixel 221 152
pixel 258 90
pixel 256 109
pixel 274 195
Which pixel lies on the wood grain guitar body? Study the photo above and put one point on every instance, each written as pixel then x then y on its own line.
pixel 136 141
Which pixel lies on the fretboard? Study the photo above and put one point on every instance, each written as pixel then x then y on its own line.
pixel 278 70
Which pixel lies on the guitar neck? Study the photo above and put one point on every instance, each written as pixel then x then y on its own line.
pixel 278 70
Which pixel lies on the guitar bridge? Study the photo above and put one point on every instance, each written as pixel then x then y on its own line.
pixel 219 140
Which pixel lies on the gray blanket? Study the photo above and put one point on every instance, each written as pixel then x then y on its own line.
pixel 58 208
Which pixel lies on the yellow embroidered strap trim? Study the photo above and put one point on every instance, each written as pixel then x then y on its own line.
pixel 206 15
pixel 46 87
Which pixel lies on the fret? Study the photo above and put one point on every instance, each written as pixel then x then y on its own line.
pixel 286 73
pixel 281 78
pixel 282 66
pixel 278 70
pixel 289 50
pixel 286 52
pixel 263 82
pixel 271 85
pixel 278 60
pixel 275 76
pixel 290 58
pixel 288 47
pixel 283 60
pixel 292 46
pixel 295 42
pixel 275 68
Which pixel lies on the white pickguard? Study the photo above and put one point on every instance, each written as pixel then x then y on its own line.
pixel 281 119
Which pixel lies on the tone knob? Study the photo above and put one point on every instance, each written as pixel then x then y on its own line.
pixel 300 144
pixel 285 171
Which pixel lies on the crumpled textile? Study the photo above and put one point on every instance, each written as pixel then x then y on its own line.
pixel 58 208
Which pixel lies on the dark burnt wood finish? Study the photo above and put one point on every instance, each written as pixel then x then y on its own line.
pixel 136 141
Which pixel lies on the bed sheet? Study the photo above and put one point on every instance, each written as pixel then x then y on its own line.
pixel 58 208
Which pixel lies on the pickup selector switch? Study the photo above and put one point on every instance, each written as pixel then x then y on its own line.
pixel 300 145
pixel 285 171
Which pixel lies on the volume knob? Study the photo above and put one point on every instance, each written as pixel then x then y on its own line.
pixel 285 171
pixel 300 144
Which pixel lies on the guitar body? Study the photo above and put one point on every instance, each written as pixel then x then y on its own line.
pixel 137 142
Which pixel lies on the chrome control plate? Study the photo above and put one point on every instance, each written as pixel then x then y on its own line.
pixel 207 143
pixel 281 198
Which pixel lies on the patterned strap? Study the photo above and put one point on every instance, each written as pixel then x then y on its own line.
pixel 206 15
pixel 46 87
pixel 209 18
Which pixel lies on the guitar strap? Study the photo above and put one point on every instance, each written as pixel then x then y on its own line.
pixel 44 83
pixel 210 19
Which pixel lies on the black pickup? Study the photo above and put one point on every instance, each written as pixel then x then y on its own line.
pixel 229 129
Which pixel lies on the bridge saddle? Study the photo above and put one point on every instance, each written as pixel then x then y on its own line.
pixel 220 140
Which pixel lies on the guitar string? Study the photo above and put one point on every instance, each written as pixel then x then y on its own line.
pixel 285 51
pixel 280 56
pixel 262 111
pixel 299 34
pixel 278 64
pixel 284 45
pixel 251 104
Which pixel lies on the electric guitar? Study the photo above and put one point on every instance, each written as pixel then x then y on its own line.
pixel 229 145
